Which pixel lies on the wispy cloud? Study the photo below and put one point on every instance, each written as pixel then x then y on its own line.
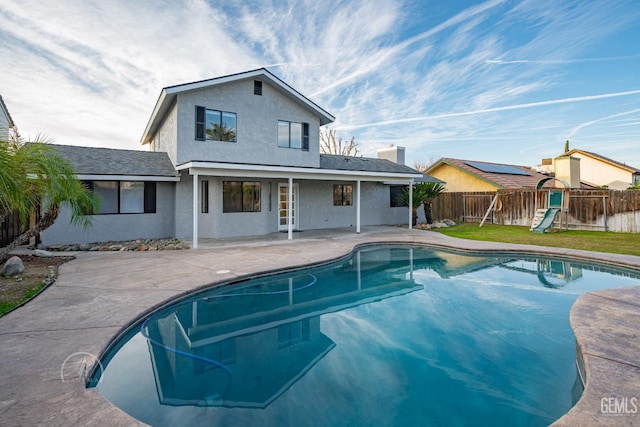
pixel 504 108
pixel 575 130
pixel 561 61
pixel 432 77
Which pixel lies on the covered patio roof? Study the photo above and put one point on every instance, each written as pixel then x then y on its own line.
pixel 332 168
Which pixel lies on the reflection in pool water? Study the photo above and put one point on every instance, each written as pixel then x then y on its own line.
pixel 394 335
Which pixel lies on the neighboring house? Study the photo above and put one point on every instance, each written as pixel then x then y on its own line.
pixel 600 171
pixel 6 122
pixel 239 156
pixel 469 176
pixel 10 225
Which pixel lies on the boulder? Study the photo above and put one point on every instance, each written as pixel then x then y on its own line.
pixel 42 253
pixel 13 266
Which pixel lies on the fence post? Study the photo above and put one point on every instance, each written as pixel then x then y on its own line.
pixel 464 207
pixel 604 205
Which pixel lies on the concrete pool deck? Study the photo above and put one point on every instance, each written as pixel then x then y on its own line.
pixel 97 295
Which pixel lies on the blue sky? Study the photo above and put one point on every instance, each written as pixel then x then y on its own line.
pixel 498 80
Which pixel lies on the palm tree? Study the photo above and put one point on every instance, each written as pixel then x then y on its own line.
pixel 418 198
pixel 32 175
pixel 430 190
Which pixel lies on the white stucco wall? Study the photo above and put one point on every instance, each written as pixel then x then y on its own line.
pixel 315 209
pixel 257 126
pixel 118 227
pixel 166 140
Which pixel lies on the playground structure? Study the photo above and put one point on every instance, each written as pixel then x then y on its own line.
pixel 556 206
pixel 557 203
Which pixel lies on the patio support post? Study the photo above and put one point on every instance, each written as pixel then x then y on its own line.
pixel 290 209
pixel 411 204
pixel 358 207
pixel 196 189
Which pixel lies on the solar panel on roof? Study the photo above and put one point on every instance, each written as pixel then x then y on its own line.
pixel 493 168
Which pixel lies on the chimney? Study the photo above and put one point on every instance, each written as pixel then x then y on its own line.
pixel 567 169
pixel 393 153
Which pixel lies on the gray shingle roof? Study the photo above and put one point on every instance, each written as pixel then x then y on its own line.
pixel 364 164
pixel 109 161
pixel 368 164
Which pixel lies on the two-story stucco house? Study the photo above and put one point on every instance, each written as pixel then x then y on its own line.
pixel 233 156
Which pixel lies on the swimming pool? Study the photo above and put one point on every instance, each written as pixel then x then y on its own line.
pixel 392 335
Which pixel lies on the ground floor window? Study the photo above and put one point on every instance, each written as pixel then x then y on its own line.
pixel 342 195
pixel 124 197
pixel 240 196
pixel 204 196
pixel 395 191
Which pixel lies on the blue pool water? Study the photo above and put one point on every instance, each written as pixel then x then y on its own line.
pixel 393 335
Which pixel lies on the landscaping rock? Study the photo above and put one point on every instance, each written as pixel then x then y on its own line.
pixel 166 244
pixel 449 222
pixel 42 253
pixel 12 267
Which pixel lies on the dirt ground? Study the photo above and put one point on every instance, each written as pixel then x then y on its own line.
pixel 36 270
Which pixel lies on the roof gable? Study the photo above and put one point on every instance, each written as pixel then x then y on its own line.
pixel 602 159
pixel 169 94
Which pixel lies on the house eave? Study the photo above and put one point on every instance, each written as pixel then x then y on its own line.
pixel 90 177
pixel 266 171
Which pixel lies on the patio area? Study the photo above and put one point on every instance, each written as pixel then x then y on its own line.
pixel 99 294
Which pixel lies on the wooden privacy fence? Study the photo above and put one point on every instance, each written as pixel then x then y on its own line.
pixel 607 210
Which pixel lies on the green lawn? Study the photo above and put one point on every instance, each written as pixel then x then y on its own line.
pixel 599 241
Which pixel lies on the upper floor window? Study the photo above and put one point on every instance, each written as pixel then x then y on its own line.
pixel 293 135
pixel 257 87
pixel 215 125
